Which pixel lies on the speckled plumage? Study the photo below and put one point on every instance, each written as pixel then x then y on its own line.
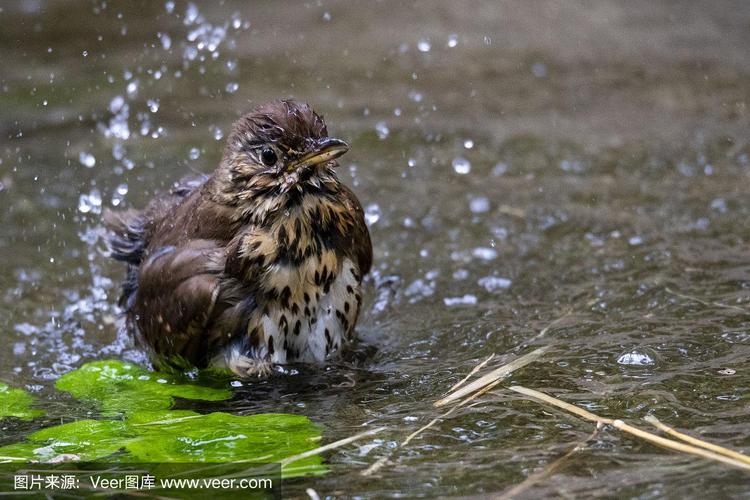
pixel 255 264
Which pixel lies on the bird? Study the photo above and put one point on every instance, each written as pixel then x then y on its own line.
pixel 258 264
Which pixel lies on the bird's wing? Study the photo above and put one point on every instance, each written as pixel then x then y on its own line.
pixel 179 295
pixel 128 231
pixel 355 232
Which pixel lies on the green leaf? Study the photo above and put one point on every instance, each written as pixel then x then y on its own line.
pixel 147 431
pixel 88 439
pixel 121 387
pixel 16 403
pixel 179 436
pixel 222 437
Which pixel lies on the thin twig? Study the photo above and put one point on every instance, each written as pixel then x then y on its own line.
pixel 471 373
pixel 619 424
pixel 493 376
pixel 331 446
pixel 677 446
pixel 704 302
pixel 560 404
pixel 429 424
pixel 515 212
pixel 376 466
pixel 312 494
pixel 551 469
pixel 695 441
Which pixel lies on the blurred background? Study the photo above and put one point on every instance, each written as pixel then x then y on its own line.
pixel 519 162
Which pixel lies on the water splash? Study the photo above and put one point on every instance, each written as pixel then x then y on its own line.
pixel 461 165
pixel 382 130
pixel 372 214
pixel 87 159
pixel 424 45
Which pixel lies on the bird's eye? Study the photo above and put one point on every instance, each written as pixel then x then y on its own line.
pixel 268 157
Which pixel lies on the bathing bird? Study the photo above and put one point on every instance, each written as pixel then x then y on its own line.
pixel 259 263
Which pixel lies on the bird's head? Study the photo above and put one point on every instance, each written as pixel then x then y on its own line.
pixel 277 148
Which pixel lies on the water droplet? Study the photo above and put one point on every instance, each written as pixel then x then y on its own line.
pixel 372 214
pixel 153 105
pixel 169 6
pixel 119 195
pixel 191 14
pixel 166 42
pixel 216 132
pixel 232 87
pixel 86 159
pixel 635 240
pixel 499 169
pixel 194 154
pixel 539 70
pixel 719 204
pixel 468 144
pixel 411 162
pixel 190 53
pixel 461 165
pixel 424 45
pixel 487 40
pixel 382 129
pixel 85 53
pixel 132 88
pixel 116 104
pixel 326 16
pixel 635 358
pixel 91 202
pixel 484 253
pixel 479 204
pixel 492 283
pixel 452 40
pixel 466 300
pixel 460 274
pixel 236 21
pixel 415 96
pixel 419 289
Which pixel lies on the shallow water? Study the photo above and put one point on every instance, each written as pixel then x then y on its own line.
pixel 520 163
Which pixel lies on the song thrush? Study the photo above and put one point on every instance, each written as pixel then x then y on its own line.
pixel 257 264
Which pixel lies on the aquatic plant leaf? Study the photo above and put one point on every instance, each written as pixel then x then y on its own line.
pixel 121 387
pixel 178 436
pixel 221 437
pixel 86 439
pixel 16 403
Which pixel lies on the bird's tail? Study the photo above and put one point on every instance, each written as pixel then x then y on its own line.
pixel 125 238
pixel 126 242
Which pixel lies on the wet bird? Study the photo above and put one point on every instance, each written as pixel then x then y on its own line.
pixel 259 263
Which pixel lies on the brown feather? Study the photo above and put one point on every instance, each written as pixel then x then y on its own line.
pixel 222 265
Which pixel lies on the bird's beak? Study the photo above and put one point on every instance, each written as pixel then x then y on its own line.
pixel 325 149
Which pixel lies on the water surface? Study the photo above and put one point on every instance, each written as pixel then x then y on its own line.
pixel 519 163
